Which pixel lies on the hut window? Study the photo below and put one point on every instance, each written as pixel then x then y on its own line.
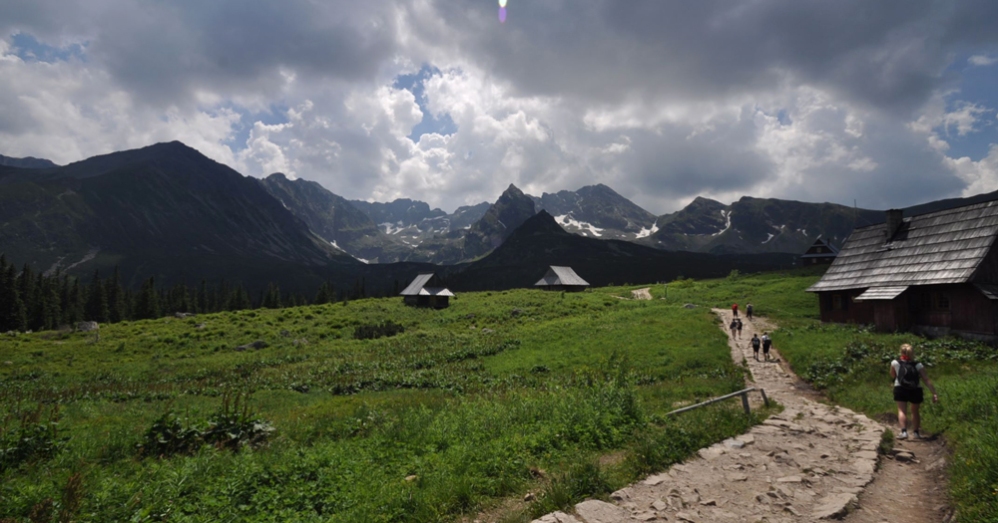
pixel 942 302
pixel 836 302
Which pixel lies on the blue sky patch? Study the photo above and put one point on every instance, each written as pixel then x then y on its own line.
pixel 979 86
pixel 415 84
pixel 29 49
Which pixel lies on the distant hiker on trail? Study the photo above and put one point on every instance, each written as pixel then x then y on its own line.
pixel 739 327
pixel 756 342
pixel 734 327
pixel 766 344
pixel 734 309
pixel 748 311
pixel 906 371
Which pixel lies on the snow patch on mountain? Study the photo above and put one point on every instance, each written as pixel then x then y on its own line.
pixel 727 223
pixel 644 233
pixel 393 228
pixel 566 220
pixel 337 247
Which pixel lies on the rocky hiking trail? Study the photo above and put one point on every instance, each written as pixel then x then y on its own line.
pixel 811 462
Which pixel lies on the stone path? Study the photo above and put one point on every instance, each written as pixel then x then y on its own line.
pixel 809 463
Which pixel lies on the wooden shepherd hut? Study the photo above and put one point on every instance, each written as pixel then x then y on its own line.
pixel 427 291
pixel 934 274
pixel 562 279
pixel 821 252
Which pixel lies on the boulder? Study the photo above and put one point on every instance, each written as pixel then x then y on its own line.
pixel 257 345
pixel 87 326
pixel 595 511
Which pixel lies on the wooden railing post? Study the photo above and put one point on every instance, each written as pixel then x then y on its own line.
pixel 745 403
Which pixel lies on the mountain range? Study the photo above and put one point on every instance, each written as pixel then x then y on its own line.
pixel 170 212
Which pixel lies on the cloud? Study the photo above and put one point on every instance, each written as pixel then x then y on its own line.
pixel 662 101
pixel 981 60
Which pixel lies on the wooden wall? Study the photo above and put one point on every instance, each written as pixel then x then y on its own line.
pixel 969 310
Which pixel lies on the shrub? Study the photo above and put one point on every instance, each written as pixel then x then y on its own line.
pixel 34 437
pixel 377 330
pixel 231 427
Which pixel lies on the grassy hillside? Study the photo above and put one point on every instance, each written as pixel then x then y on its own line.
pixel 850 365
pixel 501 394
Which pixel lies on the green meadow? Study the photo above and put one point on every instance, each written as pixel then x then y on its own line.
pixel 850 365
pixel 285 415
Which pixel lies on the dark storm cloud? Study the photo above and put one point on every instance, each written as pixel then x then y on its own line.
pixel 888 54
pixel 166 51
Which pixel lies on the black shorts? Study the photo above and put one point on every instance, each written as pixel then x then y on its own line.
pixel 755 348
pixel 908 395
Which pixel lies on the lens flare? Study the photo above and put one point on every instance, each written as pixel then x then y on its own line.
pixel 502 3
pixel 502 15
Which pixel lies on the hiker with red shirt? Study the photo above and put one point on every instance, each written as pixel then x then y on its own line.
pixel 906 371
pixel 734 309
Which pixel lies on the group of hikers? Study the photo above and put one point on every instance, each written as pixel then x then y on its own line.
pixel 905 371
pixel 764 343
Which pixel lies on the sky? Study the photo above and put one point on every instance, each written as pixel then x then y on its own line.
pixel 886 104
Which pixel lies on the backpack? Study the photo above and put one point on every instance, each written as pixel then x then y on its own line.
pixel 755 342
pixel 908 374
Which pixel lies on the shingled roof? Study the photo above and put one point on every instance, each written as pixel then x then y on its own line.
pixel 929 249
pixel 425 284
pixel 561 276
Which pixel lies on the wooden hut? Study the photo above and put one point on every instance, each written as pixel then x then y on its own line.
pixel 427 291
pixel 935 274
pixel 821 252
pixel 562 279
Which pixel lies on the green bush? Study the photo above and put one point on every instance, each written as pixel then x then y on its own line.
pixel 230 427
pixel 29 436
pixel 377 330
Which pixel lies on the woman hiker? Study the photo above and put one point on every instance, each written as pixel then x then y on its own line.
pixel 739 327
pixel 733 326
pixel 906 371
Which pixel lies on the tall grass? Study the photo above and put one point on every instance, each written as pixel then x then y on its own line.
pixel 455 411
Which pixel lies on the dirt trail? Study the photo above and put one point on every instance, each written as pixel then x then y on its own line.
pixel 812 462
pixel 641 294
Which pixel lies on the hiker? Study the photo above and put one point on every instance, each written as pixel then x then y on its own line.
pixel 748 311
pixel 739 326
pixel 766 344
pixel 756 342
pixel 906 371
pixel 733 326
pixel 734 309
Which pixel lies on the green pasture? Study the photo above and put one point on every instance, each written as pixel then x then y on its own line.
pixel 563 395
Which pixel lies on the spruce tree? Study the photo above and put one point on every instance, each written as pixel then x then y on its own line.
pixel 272 298
pixel 326 294
pixel 115 297
pixel 202 298
pixel 147 304
pixel 239 299
pixel 13 316
pixel 74 301
pixel 26 288
pixel 49 300
pixel 97 308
